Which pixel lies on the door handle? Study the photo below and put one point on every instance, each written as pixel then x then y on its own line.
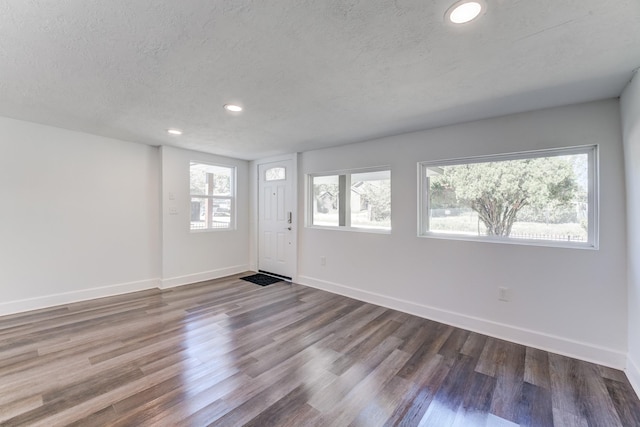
pixel 289 220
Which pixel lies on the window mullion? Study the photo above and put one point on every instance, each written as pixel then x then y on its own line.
pixel 347 200
pixel 209 212
pixel 342 200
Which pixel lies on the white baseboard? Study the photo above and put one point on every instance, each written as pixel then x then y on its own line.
pixel 19 306
pixel 172 282
pixel 547 342
pixel 37 303
pixel 633 374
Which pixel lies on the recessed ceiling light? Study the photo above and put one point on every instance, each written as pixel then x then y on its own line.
pixel 233 108
pixel 464 11
pixel 174 131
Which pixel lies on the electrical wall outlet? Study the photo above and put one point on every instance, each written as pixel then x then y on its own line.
pixel 323 261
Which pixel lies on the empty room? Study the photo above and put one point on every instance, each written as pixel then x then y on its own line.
pixel 340 213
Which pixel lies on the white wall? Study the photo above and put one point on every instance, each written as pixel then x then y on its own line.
pixel 191 257
pixel 571 301
pixel 84 217
pixel 630 109
pixel 79 218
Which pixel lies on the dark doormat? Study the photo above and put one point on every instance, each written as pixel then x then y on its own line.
pixel 261 279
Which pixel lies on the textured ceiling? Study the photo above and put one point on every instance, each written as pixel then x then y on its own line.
pixel 309 73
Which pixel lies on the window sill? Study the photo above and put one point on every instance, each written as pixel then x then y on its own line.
pixel 355 229
pixel 212 230
pixel 508 241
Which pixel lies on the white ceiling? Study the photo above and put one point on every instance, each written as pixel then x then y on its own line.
pixel 309 73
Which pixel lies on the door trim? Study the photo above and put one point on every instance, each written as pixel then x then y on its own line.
pixel 255 206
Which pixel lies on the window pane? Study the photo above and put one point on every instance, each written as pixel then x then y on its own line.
pixel 208 213
pixel 371 200
pixel 275 174
pixel 212 197
pixel 325 200
pixel 210 180
pixel 541 198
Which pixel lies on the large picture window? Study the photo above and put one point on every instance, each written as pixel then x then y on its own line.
pixel 544 197
pixel 212 197
pixel 351 200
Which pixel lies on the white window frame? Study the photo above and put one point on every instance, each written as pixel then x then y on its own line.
pixel 347 200
pixel 232 197
pixel 592 197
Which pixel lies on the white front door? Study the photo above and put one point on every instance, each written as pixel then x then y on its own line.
pixel 275 218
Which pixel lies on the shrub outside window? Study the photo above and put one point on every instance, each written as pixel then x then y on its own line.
pixel 546 197
pixel 351 200
pixel 212 197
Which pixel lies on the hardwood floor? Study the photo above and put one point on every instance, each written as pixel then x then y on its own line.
pixel 232 353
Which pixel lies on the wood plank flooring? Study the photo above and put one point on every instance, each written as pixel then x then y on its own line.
pixel 231 353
